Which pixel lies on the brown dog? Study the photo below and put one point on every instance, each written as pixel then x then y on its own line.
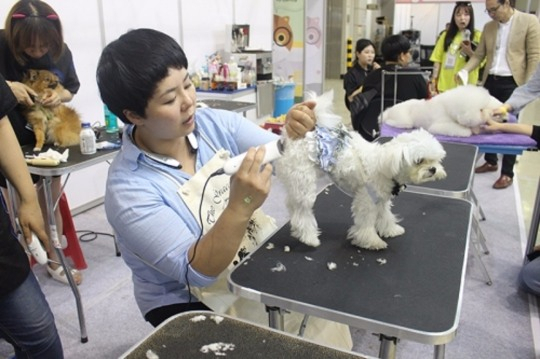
pixel 58 125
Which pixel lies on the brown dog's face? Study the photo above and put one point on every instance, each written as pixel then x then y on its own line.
pixel 40 80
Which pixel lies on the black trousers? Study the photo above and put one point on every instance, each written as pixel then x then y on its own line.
pixel 158 315
pixel 501 88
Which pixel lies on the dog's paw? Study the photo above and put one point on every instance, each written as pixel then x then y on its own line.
pixel 312 242
pixel 372 242
pixel 37 149
pixel 393 231
pixel 308 237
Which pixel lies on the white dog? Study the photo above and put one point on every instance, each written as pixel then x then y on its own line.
pixel 458 112
pixel 372 173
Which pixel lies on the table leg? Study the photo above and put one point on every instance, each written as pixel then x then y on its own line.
pixel 276 317
pixel 388 346
pixel 535 221
pixel 55 240
pixel 478 209
pixel 439 351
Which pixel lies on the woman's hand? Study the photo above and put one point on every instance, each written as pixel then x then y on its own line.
pixel 300 119
pixel 251 183
pixel 23 93
pixel 432 86
pixel 502 111
pixel 492 126
pixel 376 66
pixel 466 47
pixel 50 98
pixel 31 220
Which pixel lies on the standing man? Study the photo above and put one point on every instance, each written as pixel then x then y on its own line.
pixel 511 45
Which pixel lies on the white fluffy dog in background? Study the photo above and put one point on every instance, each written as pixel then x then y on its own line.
pixel 371 173
pixel 458 112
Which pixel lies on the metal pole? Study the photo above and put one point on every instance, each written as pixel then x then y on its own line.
pixel 55 241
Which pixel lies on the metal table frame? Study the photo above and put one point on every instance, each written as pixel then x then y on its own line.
pixel 76 161
pixel 184 335
pixel 294 291
pixel 234 106
pixel 460 163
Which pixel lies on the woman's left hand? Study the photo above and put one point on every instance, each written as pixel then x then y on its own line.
pixel 467 48
pixel 50 99
pixel 300 119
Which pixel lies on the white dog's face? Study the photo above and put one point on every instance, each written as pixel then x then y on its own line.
pixel 421 157
pixel 425 170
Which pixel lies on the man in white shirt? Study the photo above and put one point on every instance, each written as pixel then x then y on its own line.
pixel 511 46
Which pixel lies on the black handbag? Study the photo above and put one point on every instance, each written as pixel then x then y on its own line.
pixel 361 101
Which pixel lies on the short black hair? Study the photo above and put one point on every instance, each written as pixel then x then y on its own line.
pixel 131 67
pixel 393 46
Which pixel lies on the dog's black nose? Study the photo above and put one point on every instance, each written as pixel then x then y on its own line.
pixel 432 170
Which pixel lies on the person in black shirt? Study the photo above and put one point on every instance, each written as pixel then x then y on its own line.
pixel 409 84
pixel 396 53
pixel 362 66
pixel 26 321
pixel 32 39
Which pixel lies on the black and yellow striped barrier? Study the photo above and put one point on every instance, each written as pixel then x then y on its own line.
pixel 349 53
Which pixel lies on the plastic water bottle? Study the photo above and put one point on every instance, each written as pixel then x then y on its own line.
pixel 88 139
pixel 111 122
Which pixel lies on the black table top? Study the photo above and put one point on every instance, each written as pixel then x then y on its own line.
pixel 180 337
pixel 416 295
pixel 76 160
pixel 459 165
pixel 235 106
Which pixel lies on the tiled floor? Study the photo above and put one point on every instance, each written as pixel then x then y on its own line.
pixel 527 169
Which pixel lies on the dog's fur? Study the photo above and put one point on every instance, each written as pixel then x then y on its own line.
pixel 458 112
pixel 372 173
pixel 58 125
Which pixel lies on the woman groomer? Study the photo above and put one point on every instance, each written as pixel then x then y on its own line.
pixel 161 183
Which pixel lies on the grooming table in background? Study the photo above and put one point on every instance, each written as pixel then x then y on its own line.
pixel 459 164
pixel 234 106
pixel 415 295
pixel 504 143
pixel 182 337
pixel 76 161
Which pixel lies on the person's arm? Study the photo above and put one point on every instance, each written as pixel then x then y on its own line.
pixel 22 92
pixel 300 119
pixel 15 169
pixel 437 58
pixel 249 188
pixel 525 94
pixel 532 45
pixel 55 98
pixel 70 81
pixel 520 128
pixel 476 59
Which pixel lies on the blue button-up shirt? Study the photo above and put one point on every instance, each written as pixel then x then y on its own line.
pixel 154 227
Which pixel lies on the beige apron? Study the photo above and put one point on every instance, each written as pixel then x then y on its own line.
pixel 217 296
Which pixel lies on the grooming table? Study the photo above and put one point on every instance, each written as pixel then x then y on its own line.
pixel 504 143
pixel 180 337
pixel 234 106
pixel 459 164
pixel 416 295
pixel 76 161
